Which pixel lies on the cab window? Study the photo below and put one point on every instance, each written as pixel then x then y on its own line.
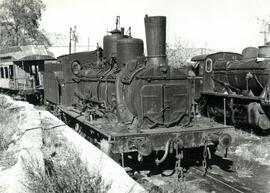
pixel 11 73
pixel 6 72
pixel 2 72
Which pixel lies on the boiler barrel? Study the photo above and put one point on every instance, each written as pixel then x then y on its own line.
pixel 249 74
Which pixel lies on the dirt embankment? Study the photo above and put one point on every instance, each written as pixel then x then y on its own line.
pixel 40 151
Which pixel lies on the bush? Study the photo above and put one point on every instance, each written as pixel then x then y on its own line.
pixel 5 101
pixel 9 122
pixel 244 168
pixel 8 128
pixel 62 170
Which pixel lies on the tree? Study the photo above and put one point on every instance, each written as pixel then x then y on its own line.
pixel 19 23
pixel 264 25
pixel 180 53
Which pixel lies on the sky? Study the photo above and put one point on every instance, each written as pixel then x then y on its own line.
pixel 229 25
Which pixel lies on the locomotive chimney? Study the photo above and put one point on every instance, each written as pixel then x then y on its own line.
pixel 155 30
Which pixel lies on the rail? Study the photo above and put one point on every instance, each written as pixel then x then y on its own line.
pixel 225 184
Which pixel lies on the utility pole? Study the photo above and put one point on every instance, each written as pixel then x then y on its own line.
pixel 205 47
pixel 75 38
pixel 266 30
pixel 72 37
pixel 88 44
pixel 69 46
pixel 264 36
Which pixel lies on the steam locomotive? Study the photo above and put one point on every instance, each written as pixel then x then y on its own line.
pixel 237 87
pixel 124 102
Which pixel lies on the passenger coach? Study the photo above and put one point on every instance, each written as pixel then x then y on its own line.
pixel 21 71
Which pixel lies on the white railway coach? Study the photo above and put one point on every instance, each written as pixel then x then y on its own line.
pixel 21 71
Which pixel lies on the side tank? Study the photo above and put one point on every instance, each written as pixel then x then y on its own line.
pixel 251 74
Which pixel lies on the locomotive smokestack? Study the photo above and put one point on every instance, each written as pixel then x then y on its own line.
pixel 155 30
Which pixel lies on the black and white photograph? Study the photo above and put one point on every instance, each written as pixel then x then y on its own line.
pixel 145 96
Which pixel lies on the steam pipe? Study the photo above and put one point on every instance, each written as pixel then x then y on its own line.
pixel 122 32
pixel 164 155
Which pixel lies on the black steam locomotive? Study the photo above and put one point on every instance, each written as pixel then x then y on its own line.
pixel 125 102
pixel 237 87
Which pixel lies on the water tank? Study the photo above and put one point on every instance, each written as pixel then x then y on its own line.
pixel 110 43
pixel 128 49
pixel 250 52
pixel 264 51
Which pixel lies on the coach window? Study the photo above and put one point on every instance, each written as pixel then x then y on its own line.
pixel 6 72
pixel 11 72
pixel 2 72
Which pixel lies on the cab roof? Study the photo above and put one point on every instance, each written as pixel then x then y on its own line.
pixel 204 56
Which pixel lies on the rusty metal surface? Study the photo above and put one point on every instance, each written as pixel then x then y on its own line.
pixel 110 43
pixel 155 30
pixel 133 102
pixel 128 140
pixel 264 51
pixel 256 72
pixel 214 67
pixel 250 52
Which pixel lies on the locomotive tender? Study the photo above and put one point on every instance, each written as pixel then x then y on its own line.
pixel 125 102
pixel 21 71
pixel 237 86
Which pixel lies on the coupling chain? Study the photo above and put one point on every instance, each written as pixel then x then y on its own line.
pixel 206 152
pixel 178 167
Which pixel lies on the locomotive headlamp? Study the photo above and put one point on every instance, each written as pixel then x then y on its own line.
pixel 75 67
pixel 225 140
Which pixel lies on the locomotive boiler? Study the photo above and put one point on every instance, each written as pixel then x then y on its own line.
pixel 239 88
pixel 124 102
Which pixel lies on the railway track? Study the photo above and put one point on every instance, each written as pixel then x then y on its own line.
pixel 225 185
pixel 195 181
